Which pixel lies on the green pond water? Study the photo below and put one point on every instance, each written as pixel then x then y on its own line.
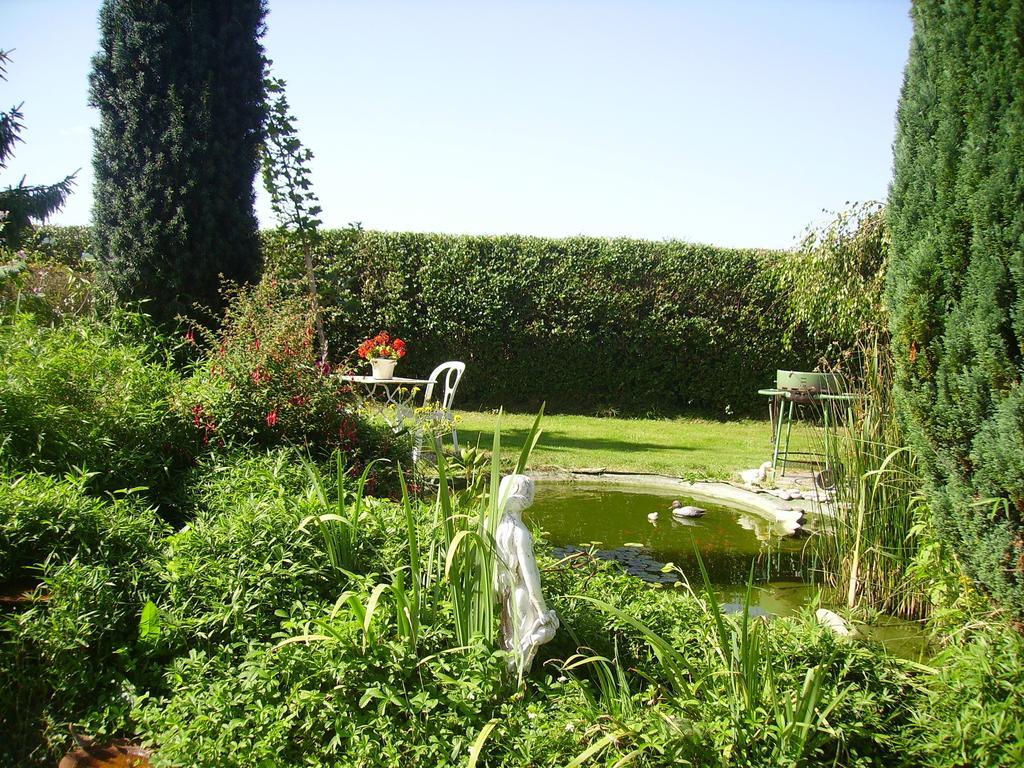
pixel 612 520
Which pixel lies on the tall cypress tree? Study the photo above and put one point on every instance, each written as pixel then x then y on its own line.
pixel 179 86
pixel 956 280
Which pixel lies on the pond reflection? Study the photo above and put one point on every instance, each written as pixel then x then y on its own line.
pixel 614 522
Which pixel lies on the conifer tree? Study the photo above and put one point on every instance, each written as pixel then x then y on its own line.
pixel 179 87
pixel 23 204
pixel 956 280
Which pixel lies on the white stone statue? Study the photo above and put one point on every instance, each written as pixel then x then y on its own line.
pixel 526 622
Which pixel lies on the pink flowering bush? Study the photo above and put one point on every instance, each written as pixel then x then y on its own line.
pixel 260 380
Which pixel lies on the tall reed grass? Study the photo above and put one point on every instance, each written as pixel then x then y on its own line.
pixel 768 711
pixel 871 532
pixel 341 529
pixel 456 564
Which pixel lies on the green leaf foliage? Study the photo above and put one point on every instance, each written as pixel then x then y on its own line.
pixel 68 652
pixel 218 645
pixel 44 518
pixel 22 204
pixel 581 323
pixel 956 282
pixel 260 380
pixel 68 245
pixel 973 714
pixel 93 396
pixel 584 324
pixel 179 88
pixel 838 274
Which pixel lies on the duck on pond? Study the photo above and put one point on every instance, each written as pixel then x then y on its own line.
pixel 679 510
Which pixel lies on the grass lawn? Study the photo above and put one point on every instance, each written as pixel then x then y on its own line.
pixel 690 448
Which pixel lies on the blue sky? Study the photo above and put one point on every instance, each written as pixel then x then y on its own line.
pixel 733 123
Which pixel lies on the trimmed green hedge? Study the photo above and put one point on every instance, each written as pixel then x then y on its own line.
pixel 64 245
pixel 586 324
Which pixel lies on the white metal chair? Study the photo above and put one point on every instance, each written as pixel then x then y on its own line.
pixel 446 375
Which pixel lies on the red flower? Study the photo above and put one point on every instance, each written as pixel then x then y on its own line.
pixel 381 345
pixel 190 336
pixel 272 418
pixel 323 367
pixel 347 433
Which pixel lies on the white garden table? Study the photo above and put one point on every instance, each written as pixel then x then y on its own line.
pixel 397 391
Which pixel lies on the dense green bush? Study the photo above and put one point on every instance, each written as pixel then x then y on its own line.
pixel 838 275
pixel 73 658
pixel 43 518
pixel 973 713
pixel 68 245
pixel 52 292
pixel 582 323
pixel 586 324
pixel 70 655
pixel 260 381
pixel 93 396
pixel 957 278
pixel 251 658
pixel 242 559
pixel 51 275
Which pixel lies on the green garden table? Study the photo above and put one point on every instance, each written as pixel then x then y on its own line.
pixel 781 419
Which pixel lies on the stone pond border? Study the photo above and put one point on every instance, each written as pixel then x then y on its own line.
pixel 789 514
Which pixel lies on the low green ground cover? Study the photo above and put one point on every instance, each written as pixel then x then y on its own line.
pixel 284 617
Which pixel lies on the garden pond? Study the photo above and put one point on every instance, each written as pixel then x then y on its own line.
pixel 612 521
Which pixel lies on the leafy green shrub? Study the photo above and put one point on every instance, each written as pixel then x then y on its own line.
pixel 838 276
pixel 67 245
pixel 74 658
pixel 579 322
pixel 726 694
pixel 973 712
pixel 665 612
pixel 956 279
pixel 50 275
pixel 582 323
pixel 242 558
pixel 90 395
pixel 44 519
pixel 262 382
pixel 324 705
pixel 71 655
pixel 52 292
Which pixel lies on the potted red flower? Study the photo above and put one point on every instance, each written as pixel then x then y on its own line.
pixel 383 352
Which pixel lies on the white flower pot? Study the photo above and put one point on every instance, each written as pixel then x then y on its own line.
pixel 383 368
